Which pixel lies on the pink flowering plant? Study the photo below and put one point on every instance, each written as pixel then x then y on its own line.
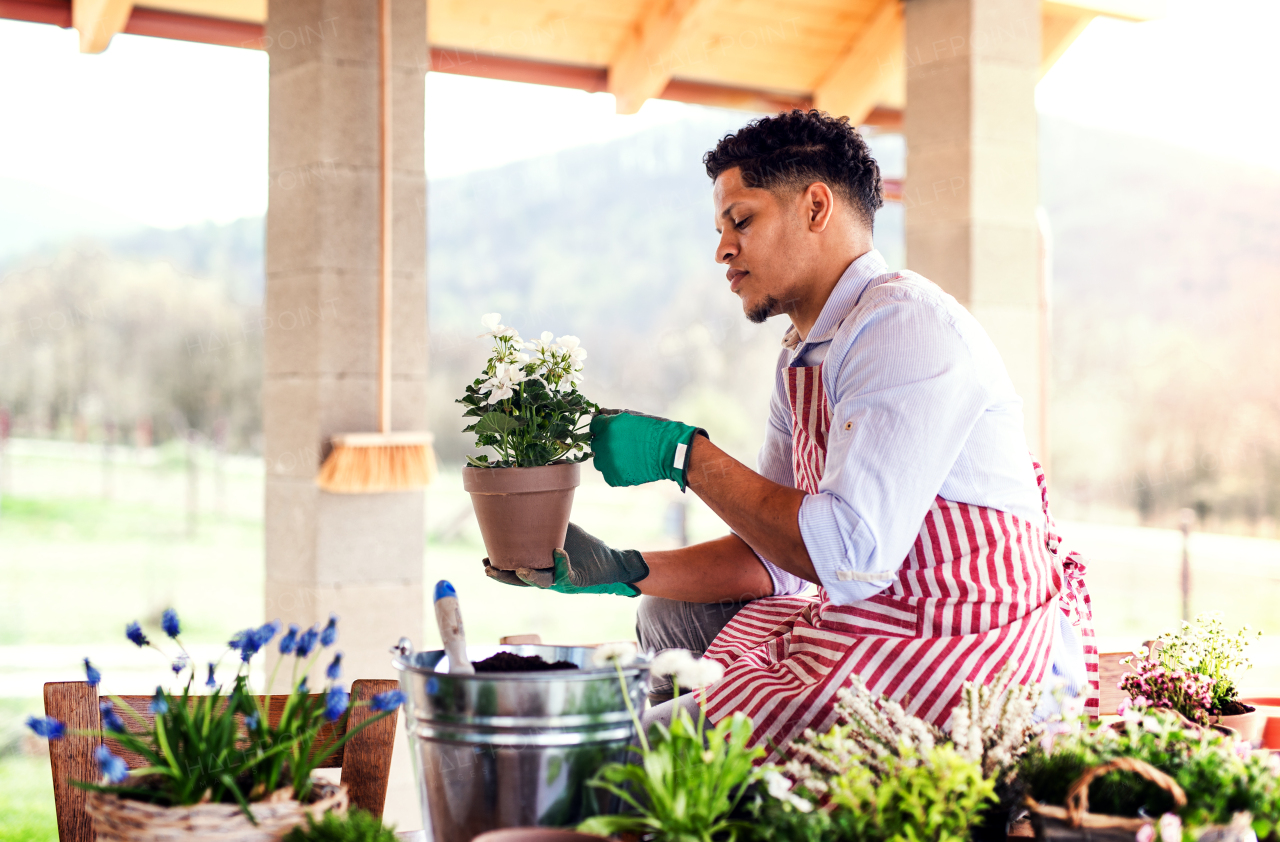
pixel 1207 648
pixel 1155 684
pixel 222 746
pixel 526 401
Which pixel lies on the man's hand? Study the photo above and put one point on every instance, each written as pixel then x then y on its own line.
pixel 585 565
pixel 632 449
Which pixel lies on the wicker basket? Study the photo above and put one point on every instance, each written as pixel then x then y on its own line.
pixel 117 819
pixel 1074 822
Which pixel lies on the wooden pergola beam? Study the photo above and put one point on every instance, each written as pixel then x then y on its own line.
pixel 640 70
pixel 98 21
pixel 867 65
pixel 235 33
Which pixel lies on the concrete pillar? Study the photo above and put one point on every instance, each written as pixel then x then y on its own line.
pixel 971 184
pixel 360 556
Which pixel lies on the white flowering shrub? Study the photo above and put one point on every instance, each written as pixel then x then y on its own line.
pixel 526 402
pixel 991 728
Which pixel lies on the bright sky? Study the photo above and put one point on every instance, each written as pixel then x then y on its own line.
pixel 187 143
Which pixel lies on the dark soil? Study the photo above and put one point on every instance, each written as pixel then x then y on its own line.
pixel 509 662
pixel 1233 708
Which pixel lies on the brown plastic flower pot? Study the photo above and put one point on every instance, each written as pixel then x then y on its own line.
pixel 523 512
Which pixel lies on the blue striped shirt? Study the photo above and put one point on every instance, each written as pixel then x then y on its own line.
pixel 921 406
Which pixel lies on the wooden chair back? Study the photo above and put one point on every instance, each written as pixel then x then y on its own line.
pixel 365 760
pixel 1110 671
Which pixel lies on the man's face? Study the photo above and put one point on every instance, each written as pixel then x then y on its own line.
pixel 761 241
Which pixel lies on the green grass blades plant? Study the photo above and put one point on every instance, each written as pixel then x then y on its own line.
pixel 526 402
pixel 1207 648
pixel 686 784
pixel 1218 779
pixel 355 826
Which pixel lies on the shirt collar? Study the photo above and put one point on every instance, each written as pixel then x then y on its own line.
pixel 844 297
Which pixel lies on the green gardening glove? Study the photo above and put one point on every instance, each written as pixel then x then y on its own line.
pixel 632 449
pixel 595 568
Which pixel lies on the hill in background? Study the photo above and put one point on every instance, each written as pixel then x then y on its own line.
pixel 1166 271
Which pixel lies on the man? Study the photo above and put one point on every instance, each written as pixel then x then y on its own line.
pixel 894 474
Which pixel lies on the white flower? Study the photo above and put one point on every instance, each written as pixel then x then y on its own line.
pixel 780 788
pixel 669 662
pixel 1072 707
pixel 621 653
pixel 494 326
pixel 699 673
pixel 689 672
pixel 1146 833
pixel 1170 828
pixel 541 344
pixel 572 346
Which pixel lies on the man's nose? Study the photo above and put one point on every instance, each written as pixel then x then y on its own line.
pixel 725 252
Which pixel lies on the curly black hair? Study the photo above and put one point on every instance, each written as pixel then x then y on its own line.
pixel 793 149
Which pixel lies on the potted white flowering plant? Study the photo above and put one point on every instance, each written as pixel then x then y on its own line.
pixel 529 412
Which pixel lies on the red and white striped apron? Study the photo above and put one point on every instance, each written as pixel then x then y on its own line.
pixel 979 588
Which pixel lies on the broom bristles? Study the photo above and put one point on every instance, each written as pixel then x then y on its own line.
pixel 368 468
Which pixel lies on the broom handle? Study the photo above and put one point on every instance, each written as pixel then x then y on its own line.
pixel 384 217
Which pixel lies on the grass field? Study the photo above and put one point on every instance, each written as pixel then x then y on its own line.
pixel 75 565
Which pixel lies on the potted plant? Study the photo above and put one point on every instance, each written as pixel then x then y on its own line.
pixel 881 774
pixel 529 411
pixel 1159 773
pixel 690 777
pixel 217 766
pixel 1205 649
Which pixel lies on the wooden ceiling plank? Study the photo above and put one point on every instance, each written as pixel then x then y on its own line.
pixel 856 82
pixel 643 64
pixel 98 21
pixel 1060 26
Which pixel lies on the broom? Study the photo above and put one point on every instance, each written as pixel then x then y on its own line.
pixel 365 463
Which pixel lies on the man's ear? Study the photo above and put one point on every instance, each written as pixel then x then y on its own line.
pixel 819 205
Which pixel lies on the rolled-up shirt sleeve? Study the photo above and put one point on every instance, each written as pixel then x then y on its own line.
pixel 774 463
pixel 904 408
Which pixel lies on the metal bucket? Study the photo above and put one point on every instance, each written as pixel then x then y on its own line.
pixel 497 750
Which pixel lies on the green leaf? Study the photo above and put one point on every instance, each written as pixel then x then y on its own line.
pixel 497 423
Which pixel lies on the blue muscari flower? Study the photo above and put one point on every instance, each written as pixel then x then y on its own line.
pixel 302 686
pixel 159 704
pixel 307 642
pixel 248 641
pixel 179 664
pixel 91 675
pixel 251 721
pixel 335 702
pixel 334 672
pixel 113 768
pixel 111 720
pixel 389 700
pixel 289 640
pixel 47 726
pixel 133 631
pixel 266 632
pixel 169 622
pixel 330 633
pixel 211 682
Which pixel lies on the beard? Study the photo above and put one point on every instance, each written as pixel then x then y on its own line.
pixel 758 314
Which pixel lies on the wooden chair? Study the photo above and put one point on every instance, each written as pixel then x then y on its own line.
pixel 1110 671
pixel 365 760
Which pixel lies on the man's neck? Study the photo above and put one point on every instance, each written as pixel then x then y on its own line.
pixel 804 315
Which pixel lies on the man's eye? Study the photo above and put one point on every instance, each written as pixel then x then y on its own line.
pixel 742 223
